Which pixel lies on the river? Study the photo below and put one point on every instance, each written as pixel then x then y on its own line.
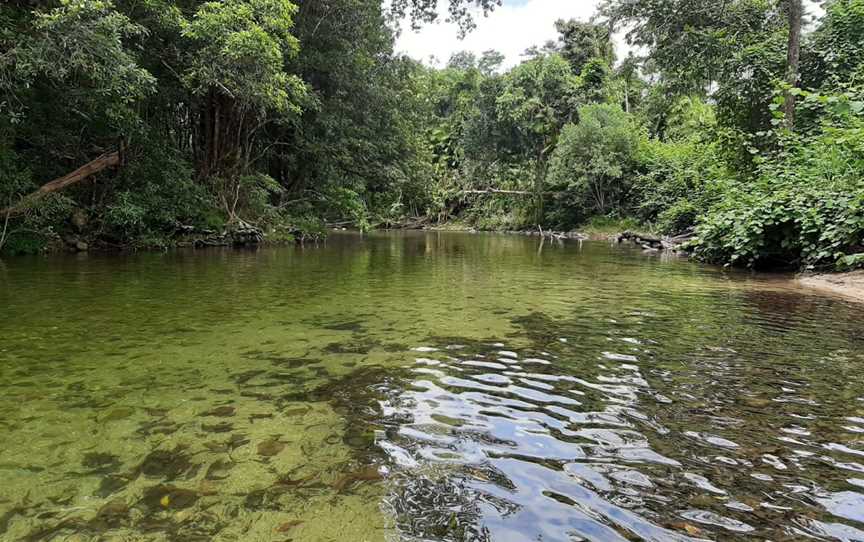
pixel 425 386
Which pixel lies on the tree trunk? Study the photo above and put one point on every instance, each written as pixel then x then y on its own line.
pixel 796 10
pixel 626 97
pixel 111 159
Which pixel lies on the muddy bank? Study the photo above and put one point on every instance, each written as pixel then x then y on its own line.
pixel 849 285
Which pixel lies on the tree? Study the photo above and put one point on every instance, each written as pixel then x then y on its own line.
pixel 539 97
pixel 592 160
pixel 536 51
pixel 354 152
pixel 426 11
pixel 795 9
pixel 237 70
pixel 463 60
pixel 579 42
pixel 692 41
pixel 490 62
pixel 734 52
pixel 627 75
pixel 79 50
pixel 834 52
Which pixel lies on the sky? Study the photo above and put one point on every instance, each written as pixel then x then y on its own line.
pixel 510 29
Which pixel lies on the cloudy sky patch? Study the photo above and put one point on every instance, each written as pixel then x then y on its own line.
pixel 510 29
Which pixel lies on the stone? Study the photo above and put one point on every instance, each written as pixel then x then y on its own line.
pixel 269 448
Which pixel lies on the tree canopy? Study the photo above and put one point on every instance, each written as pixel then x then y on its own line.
pixel 157 118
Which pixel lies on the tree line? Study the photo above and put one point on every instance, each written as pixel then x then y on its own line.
pixel 740 121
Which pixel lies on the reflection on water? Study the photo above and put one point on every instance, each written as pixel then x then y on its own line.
pixel 425 387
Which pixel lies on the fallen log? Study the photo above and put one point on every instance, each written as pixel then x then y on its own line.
pixel 555 236
pixel 651 242
pixel 508 192
pixel 645 240
pixel 495 191
pixel 110 159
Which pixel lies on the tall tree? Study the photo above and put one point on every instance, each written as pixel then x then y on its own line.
pixel 692 41
pixel 462 60
pixel 579 42
pixel 793 55
pixel 490 62
pixel 539 96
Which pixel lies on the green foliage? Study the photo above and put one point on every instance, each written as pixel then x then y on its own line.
pixel 834 57
pixel 539 95
pixel 594 81
pixel 81 47
pixel 590 167
pixel 691 42
pixel 460 11
pixel 241 48
pixel 606 226
pixel 675 182
pixel 805 208
pixel 40 225
pixel 581 42
pixel 852 261
pixel 154 196
pixel 16 178
pixel 490 62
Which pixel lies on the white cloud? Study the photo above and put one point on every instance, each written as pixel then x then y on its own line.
pixel 510 29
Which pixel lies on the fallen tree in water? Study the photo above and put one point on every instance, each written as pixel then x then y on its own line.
pixel 651 242
pixel 103 162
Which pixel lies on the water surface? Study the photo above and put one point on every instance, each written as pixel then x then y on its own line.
pixel 425 386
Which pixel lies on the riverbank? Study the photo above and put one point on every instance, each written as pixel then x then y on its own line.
pixel 594 230
pixel 849 285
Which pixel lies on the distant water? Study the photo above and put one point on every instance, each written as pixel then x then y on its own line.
pixel 425 387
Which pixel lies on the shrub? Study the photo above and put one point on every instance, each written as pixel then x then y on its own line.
pixel 804 209
pixel 590 167
pixel 674 182
pixel 155 193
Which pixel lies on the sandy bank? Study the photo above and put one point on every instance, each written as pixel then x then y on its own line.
pixel 849 285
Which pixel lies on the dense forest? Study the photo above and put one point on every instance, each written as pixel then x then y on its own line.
pixel 152 121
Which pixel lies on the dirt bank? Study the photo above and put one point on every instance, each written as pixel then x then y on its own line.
pixel 849 285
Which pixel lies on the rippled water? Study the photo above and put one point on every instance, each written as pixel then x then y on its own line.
pixel 425 386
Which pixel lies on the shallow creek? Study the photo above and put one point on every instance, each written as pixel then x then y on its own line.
pixel 425 386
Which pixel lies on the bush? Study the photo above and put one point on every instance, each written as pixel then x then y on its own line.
pixel 590 167
pixel 156 192
pixel 675 181
pixel 804 209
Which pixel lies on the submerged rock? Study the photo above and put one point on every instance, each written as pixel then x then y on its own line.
pixel 221 412
pixel 100 462
pixel 288 525
pixel 217 428
pixel 167 497
pixel 114 507
pixel 218 470
pixel 112 513
pixel 120 413
pixel 269 448
pixel 372 473
pixel 167 464
pixel 110 485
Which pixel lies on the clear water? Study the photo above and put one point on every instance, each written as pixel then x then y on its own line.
pixel 424 386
